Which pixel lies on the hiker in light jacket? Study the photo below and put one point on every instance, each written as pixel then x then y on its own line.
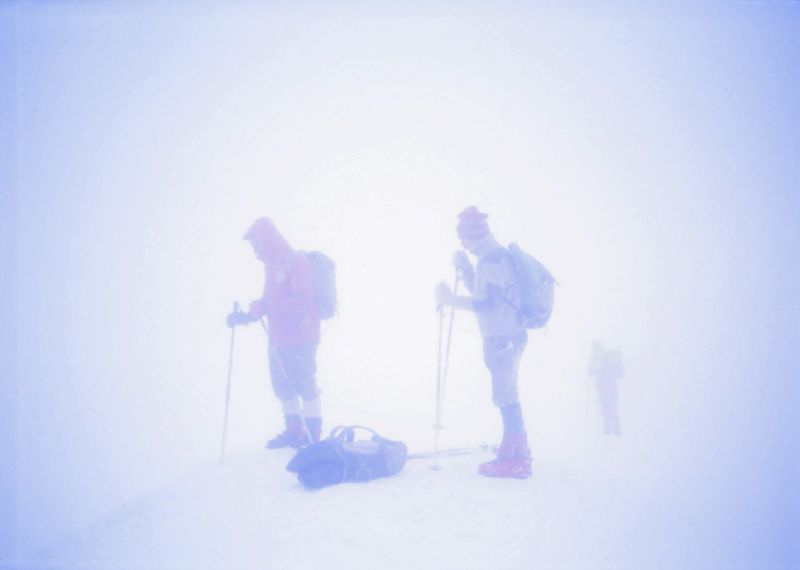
pixel 493 298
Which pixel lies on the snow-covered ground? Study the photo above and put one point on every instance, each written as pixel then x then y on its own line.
pixel 590 510
pixel 251 513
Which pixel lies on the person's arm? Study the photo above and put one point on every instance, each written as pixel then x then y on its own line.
pixel 488 297
pixel 493 298
pixel 446 297
pixel 490 293
pixel 465 270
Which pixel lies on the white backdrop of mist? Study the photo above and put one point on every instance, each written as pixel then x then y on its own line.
pixel 648 159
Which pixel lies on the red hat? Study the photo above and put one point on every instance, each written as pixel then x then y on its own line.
pixel 472 224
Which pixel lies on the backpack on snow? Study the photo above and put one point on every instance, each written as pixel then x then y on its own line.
pixel 536 285
pixel 342 459
pixel 324 282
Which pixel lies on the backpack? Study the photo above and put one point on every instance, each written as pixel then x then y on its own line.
pixel 536 285
pixel 324 282
pixel 342 459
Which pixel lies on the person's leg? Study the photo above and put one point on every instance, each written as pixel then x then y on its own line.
pixel 294 434
pixel 312 414
pixel 598 386
pixel 502 357
pixel 303 374
pixel 607 392
pixel 607 420
pixel 615 427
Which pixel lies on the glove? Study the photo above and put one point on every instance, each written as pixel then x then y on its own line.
pixel 256 309
pixel 238 318
pixel 444 295
pixel 461 262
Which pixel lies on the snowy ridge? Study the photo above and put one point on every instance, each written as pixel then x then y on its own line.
pixel 251 513
pixel 608 503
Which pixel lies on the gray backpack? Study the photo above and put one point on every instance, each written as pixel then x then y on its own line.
pixel 324 282
pixel 536 285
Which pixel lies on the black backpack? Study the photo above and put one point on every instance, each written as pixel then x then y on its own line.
pixel 342 459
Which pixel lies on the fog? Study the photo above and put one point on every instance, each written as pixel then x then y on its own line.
pixel 648 158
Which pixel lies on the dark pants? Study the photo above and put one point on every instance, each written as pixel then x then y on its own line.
pixel 292 370
pixel 607 397
pixel 502 355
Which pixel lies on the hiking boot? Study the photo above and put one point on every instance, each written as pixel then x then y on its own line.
pixel 513 458
pixel 294 436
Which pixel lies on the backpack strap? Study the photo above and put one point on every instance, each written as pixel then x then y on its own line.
pixel 347 433
pixel 504 253
pixel 341 433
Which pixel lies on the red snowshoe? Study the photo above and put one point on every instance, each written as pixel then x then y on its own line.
pixel 513 458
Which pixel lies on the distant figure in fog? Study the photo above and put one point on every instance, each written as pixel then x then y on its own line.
pixel 493 300
pixel 606 368
pixel 293 319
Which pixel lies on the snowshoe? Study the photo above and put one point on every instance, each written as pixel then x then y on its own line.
pixel 516 467
pixel 513 458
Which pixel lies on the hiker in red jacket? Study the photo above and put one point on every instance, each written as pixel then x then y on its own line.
pixel 293 325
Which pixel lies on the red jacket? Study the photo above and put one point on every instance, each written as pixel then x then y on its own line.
pixel 289 302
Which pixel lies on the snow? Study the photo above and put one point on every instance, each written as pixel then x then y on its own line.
pixel 251 512
pixel 589 510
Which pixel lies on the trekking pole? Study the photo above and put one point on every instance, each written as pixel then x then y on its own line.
pixel 441 374
pixel 437 426
pixel 236 309
pixel 452 452
pixel 449 334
